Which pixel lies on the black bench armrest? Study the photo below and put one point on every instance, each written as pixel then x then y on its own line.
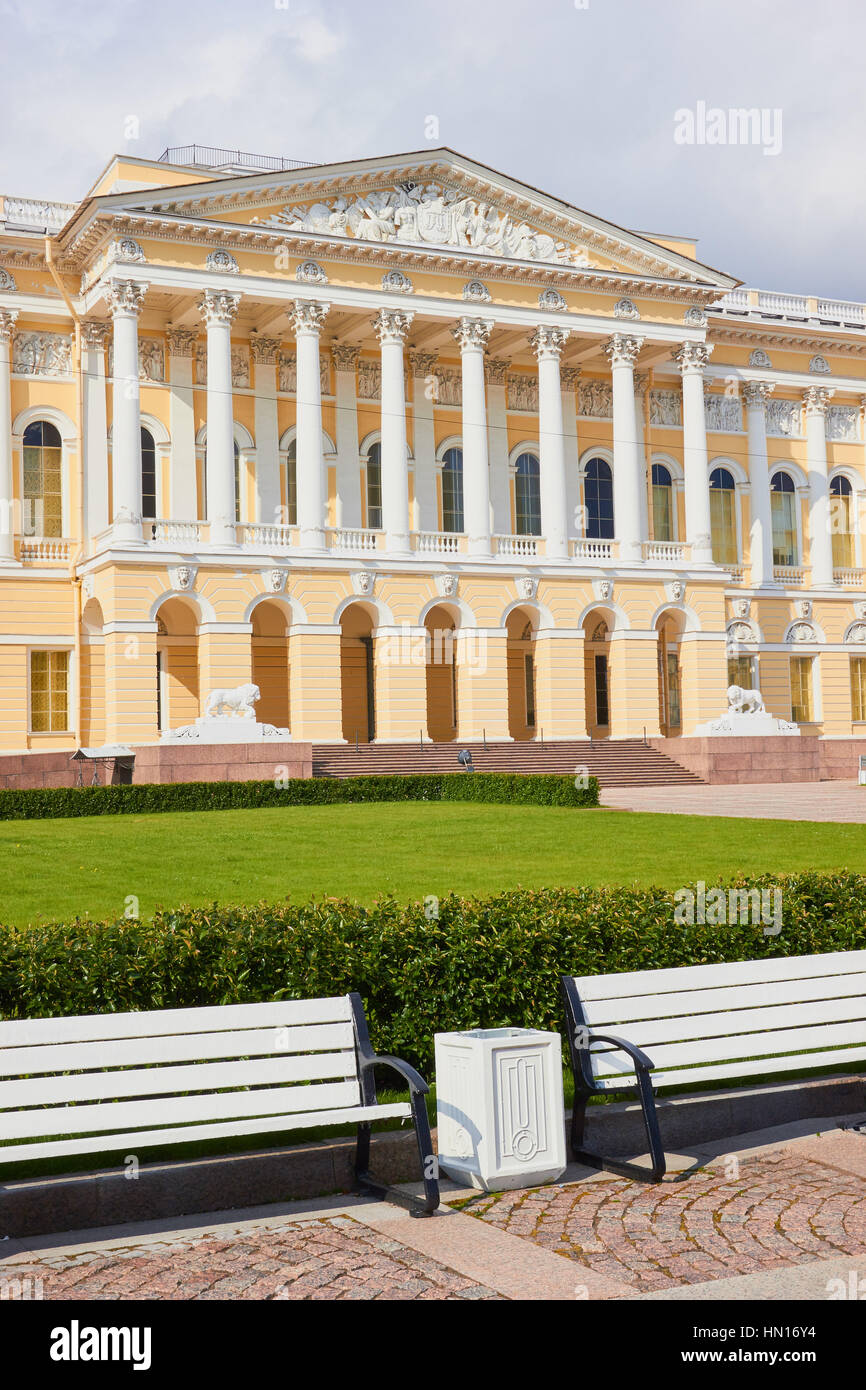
pixel 640 1058
pixel 417 1084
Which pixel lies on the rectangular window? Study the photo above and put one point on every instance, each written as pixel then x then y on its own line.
pixel 374 494
pixel 292 488
pixel 723 525
pixel 858 687
pixel 602 718
pixel 529 680
pixel 801 689
pixel 43 491
pixel 740 672
pixel 784 528
pixel 663 521
pixel 49 692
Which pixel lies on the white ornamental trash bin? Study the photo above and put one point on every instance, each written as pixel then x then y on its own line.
pixel 500 1107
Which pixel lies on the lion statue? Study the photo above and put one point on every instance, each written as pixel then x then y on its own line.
pixel 744 701
pixel 238 702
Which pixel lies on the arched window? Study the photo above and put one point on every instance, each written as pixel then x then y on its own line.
pixel 784 518
pixel 374 487
pixel 292 483
pixel 527 496
pixel 723 520
pixel 452 490
pixel 43 480
pixel 841 519
pixel 148 475
pixel 663 509
pixel 598 493
pixel 237 482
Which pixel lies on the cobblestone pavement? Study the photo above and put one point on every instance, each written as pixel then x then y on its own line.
pixel 780 1211
pixel 333 1258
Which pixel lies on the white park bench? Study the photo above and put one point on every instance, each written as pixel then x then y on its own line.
pixel 119 1083
pixel 708 1023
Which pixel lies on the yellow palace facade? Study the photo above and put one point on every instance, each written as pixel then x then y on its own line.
pixel 416 449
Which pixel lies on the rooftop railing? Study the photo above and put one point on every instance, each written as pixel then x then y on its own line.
pixel 212 157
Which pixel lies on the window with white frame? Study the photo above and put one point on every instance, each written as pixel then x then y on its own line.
pixel 49 692
pixel 42 491
pixel 783 514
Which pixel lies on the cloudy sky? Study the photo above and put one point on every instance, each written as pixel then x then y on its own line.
pixel 582 98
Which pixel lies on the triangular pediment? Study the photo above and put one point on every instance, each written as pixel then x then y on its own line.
pixel 437 200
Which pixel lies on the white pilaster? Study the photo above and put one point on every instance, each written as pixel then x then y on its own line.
pixel 641 382
pixel 218 309
pixel 622 351
pixel 816 400
pixel 692 359
pixel 756 395
pixel 125 300
pixel 422 365
pixel 473 334
pixel 94 334
pixel 391 327
pixel 308 318
pixel 265 352
pixel 496 369
pixel 547 344
pixel 7 490
pixel 345 357
pixel 183 497
pixel 568 379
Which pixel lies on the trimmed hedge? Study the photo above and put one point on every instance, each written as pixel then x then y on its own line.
pixel 538 789
pixel 483 962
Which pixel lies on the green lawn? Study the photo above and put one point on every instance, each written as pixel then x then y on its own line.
pixel 56 869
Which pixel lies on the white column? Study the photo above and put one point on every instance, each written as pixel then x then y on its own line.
pixel 125 300
pixel 473 335
pixel 182 502
pixel 391 327
pixel 816 399
pixel 547 344
pixel 345 357
pixel 265 353
pixel 641 381
pixel 218 309
pixel 308 318
pixel 568 380
pixel 692 359
pixel 496 370
pixel 422 365
pixel 622 350
pixel 7 490
pixel 756 395
pixel 95 444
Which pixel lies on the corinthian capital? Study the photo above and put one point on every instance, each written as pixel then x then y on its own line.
pixel 548 342
pixel 264 350
pixel 181 341
pixel 95 333
pixel 817 398
pixel 422 363
pixel 219 306
pixel 496 369
pixel 308 315
pixel 7 324
pixel 126 296
pixel 692 357
pixel 392 325
pixel 345 356
pixel 757 393
pixel 472 333
pixel 622 349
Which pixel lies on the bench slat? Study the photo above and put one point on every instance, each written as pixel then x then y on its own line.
pixel 733 1049
pixel 86 1119
pixel 706 1001
pixel 767 1066
pixel 684 977
pixel 136 1140
pixel 155 1081
pixel 650 1033
pixel 214 1018
pixel 175 1047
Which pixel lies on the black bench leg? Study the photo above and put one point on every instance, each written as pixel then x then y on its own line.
pixel 622 1167
pixel 417 1206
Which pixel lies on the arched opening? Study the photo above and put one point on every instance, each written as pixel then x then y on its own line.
pixel 357 682
pixel 177 678
pixel 373 489
pixel 669 628
pixel 441 675
pixel 784 517
pixel 270 658
pixel 520 664
pixel 452 490
pixel 596 665
pixel 148 476
pixel 42 492
pixel 598 499
pixel 663 506
pixel 723 518
pixel 841 522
